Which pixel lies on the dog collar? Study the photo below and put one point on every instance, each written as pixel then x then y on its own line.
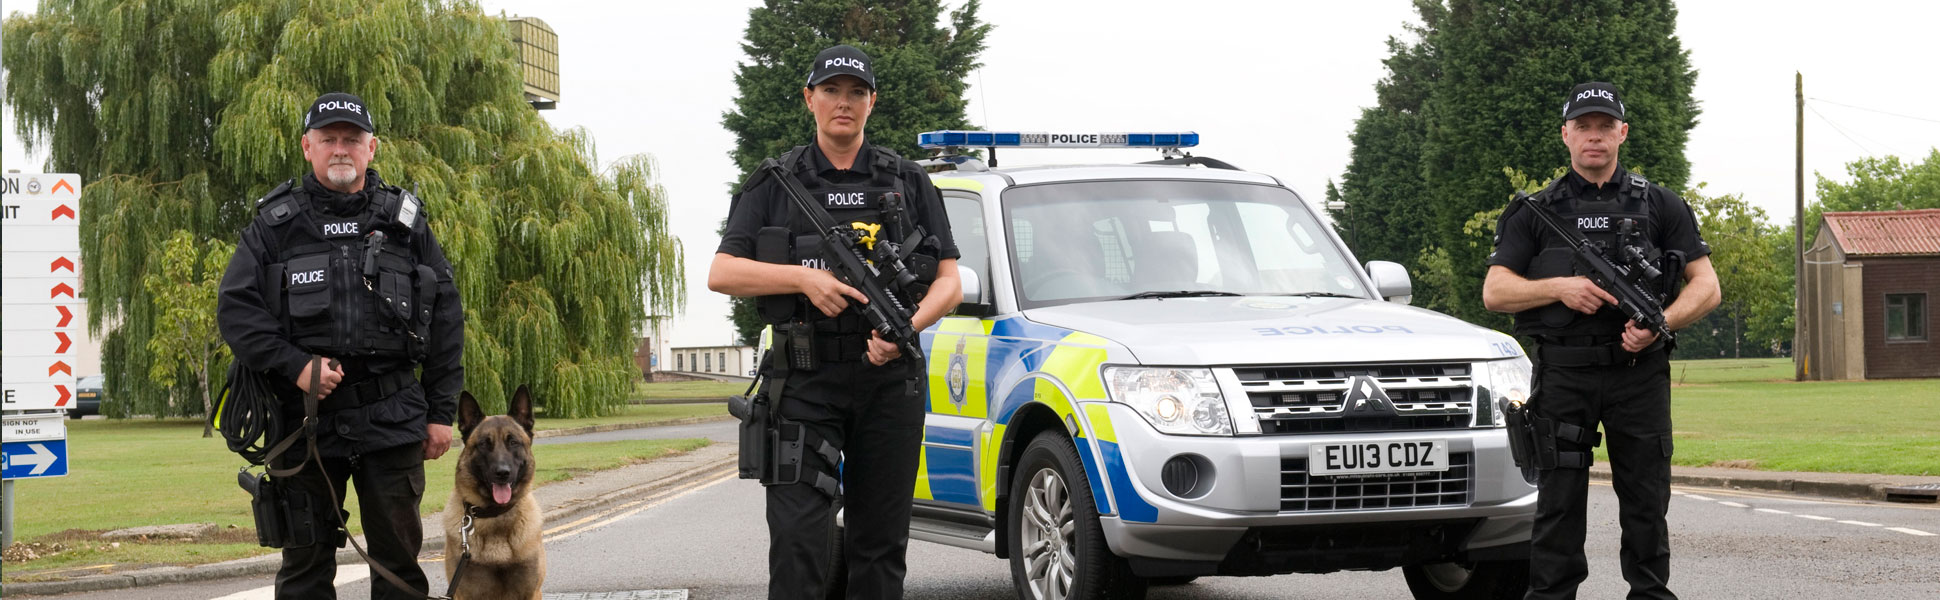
pixel 481 512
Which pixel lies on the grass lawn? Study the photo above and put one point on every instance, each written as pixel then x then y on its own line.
pixel 1748 413
pixel 687 389
pixel 639 413
pixel 129 473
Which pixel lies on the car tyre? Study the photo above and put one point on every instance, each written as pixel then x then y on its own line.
pixel 1488 580
pixel 1057 547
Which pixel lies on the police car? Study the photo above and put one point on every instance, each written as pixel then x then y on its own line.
pixel 1173 369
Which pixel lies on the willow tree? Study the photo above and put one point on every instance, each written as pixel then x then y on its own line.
pixel 181 112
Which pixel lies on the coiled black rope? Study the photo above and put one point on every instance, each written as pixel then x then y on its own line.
pixel 248 415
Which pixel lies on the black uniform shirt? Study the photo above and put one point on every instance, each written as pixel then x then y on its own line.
pixel 258 339
pixel 768 206
pixel 1518 238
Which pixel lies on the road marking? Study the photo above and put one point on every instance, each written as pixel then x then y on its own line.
pixel 1697 497
pixel 1910 531
pixel 346 574
pixel 1734 504
pixel 1814 517
pixel 1860 523
pixel 1773 511
pixel 664 498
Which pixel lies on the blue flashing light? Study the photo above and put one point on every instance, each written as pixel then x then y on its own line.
pixel 1039 139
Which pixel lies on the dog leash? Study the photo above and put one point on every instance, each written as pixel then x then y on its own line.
pixel 311 399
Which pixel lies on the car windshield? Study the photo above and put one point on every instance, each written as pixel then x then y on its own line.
pixel 1111 240
pixel 91 381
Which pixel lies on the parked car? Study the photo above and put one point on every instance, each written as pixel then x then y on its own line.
pixel 87 397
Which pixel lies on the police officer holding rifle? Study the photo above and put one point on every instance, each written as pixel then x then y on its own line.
pixel 849 249
pixel 1591 267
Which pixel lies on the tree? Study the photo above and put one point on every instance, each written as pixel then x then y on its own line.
pixel 181 112
pixel 1754 275
pixel 921 66
pixel 1383 188
pixel 186 339
pixel 1878 183
pixel 1493 100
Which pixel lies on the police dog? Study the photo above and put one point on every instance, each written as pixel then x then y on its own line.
pixel 494 485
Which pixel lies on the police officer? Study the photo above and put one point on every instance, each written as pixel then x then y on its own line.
pixel 339 266
pixel 859 397
pixel 1593 364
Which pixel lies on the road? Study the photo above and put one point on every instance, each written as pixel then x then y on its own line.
pixel 709 539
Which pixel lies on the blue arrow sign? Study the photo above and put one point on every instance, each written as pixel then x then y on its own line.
pixel 47 458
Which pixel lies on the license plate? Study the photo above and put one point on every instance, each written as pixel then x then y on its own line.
pixel 87 394
pixel 1361 458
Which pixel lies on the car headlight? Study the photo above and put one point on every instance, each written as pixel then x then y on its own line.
pixel 1509 382
pixel 1175 401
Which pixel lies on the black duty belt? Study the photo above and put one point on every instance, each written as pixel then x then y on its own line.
pixel 832 341
pixel 368 390
pixel 1566 355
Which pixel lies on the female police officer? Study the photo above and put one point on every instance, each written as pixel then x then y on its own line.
pixel 855 394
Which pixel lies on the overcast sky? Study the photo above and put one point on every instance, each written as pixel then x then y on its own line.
pixel 1270 86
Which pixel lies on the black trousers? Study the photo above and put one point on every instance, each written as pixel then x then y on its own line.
pixel 875 416
pixel 390 485
pixel 1633 402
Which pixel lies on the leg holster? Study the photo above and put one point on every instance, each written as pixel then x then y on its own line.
pixel 803 456
pixel 284 515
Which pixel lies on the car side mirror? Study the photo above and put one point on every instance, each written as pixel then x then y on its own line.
pixel 1391 281
pixel 974 304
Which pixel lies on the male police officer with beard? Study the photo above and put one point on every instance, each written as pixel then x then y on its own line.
pixel 858 396
pixel 339 289
pixel 1593 364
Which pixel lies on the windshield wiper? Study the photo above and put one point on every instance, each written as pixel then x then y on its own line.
pixel 1322 295
pixel 1179 294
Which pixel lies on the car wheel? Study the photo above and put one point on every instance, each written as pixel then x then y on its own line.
pixel 1057 548
pixel 1491 580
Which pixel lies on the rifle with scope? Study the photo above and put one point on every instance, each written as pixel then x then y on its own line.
pixel 1630 281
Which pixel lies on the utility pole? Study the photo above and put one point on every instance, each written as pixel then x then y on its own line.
pixel 1800 358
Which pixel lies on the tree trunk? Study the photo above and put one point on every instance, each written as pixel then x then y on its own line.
pixel 202 377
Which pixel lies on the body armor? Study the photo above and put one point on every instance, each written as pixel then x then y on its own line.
pixel 1603 222
pixel 350 286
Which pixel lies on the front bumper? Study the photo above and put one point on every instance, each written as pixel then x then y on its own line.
pixel 1247 498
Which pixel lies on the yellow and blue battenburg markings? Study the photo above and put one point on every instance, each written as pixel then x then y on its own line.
pixel 971 359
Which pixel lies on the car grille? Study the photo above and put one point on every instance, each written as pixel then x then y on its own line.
pixel 1312 398
pixel 1300 491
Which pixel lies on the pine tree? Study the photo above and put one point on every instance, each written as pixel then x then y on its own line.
pixel 922 69
pixel 1503 70
pixel 179 113
pixel 1383 188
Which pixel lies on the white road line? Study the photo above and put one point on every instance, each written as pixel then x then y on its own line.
pixel 1773 511
pixel 1860 523
pixel 1910 531
pixel 1734 504
pixel 346 575
pixel 1814 517
pixel 1697 497
pixel 1676 493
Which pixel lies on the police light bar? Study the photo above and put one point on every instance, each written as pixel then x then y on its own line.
pixel 1039 139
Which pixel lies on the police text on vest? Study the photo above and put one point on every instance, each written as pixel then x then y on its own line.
pixel 847 199
pixel 344 228
pixel 302 277
pixel 1595 223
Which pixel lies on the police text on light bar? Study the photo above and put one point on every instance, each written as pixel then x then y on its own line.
pixel 1040 139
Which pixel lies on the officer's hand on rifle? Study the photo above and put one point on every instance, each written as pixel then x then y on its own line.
pixel 1580 294
pixel 1634 339
pixel 826 292
pixel 881 352
pixel 331 375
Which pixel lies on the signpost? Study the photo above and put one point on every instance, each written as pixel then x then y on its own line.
pixel 40 298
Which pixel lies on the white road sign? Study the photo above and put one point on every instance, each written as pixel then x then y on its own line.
pixel 41 264
pixel 27 428
pixel 37 396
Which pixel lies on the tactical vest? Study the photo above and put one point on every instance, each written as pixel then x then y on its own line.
pixel 1600 222
pixel 852 204
pixel 349 286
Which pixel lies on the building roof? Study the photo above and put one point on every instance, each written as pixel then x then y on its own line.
pixel 1887 232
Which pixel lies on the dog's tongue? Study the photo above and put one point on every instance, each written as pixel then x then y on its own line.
pixel 501 493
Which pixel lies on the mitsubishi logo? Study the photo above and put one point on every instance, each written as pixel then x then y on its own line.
pixel 1365 397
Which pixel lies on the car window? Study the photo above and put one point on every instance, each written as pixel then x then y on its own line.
pixel 1095 240
pixel 91 381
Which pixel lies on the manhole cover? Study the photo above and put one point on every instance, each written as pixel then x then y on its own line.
pixel 632 595
pixel 1925 492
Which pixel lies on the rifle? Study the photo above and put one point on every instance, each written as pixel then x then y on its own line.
pixel 1628 281
pixel 843 250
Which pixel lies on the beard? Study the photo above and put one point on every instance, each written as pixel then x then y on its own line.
pixel 342 175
